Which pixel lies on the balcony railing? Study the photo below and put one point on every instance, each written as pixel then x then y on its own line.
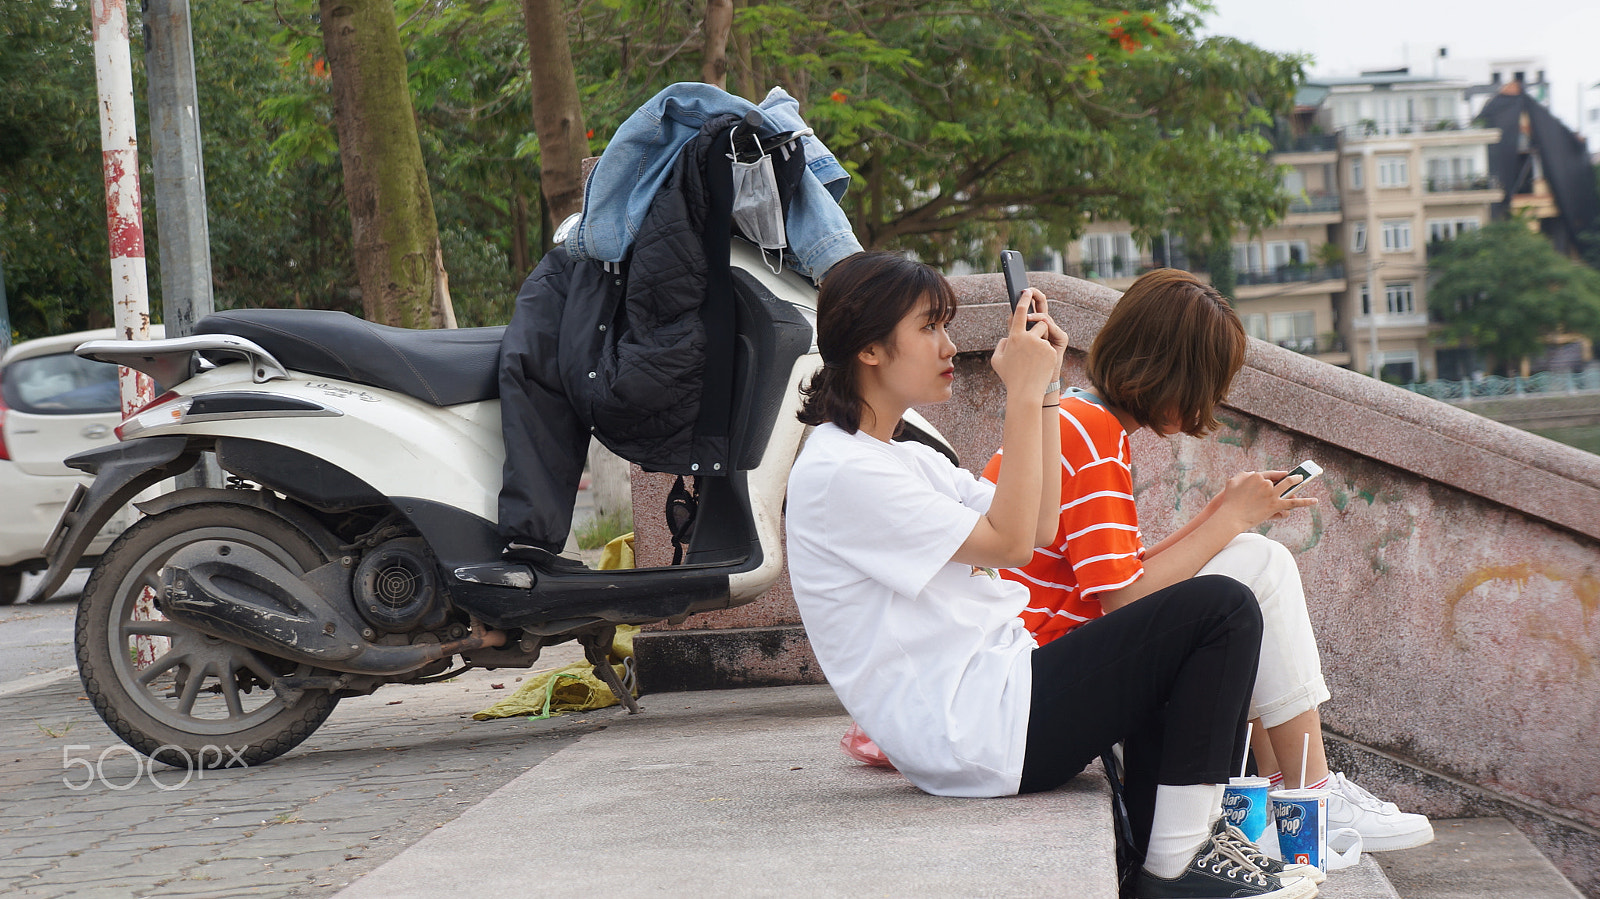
pixel 1305 143
pixel 1313 346
pixel 1289 274
pixel 1545 382
pixel 1469 182
pixel 1373 128
pixel 1310 203
pixel 1100 270
pixel 1392 320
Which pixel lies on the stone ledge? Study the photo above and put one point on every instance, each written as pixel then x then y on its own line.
pixel 1571 846
pixel 1431 439
pixel 717 659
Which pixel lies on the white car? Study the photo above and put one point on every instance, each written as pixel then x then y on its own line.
pixel 53 404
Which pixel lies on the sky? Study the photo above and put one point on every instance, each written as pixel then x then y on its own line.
pixel 1346 36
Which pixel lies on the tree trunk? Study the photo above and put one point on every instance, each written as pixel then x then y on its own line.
pixel 563 143
pixel 719 21
pixel 743 64
pixel 520 263
pixel 557 111
pixel 396 237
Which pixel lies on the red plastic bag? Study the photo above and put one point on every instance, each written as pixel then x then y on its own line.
pixel 860 747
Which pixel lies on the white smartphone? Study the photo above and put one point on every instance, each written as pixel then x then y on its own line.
pixel 1307 470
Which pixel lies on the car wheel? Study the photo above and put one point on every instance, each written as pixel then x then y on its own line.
pixel 179 696
pixel 10 586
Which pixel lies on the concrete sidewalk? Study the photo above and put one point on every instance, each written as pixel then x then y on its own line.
pixel 745 793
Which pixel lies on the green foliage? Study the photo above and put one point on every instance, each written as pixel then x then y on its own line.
pixel 969 126
pixel 593 533
pixel 1503 289
pixel 973 126
pixel 52 199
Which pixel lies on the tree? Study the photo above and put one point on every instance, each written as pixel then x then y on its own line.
pixel 52 194
pixel 557 111
pixel 719 23
pixel 1504 289
pixel 398 257
pixel 973 126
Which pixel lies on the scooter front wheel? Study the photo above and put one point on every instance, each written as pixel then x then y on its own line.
pixel 182 697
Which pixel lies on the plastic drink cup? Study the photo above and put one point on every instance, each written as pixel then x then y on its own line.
pixel 1302 819
pixel 1246 806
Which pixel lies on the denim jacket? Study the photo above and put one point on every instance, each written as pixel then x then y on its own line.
pixel 639 157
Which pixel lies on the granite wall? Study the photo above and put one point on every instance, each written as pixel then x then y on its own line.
pixel 1452 569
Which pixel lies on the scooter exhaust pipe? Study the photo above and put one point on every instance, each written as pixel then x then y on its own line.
pixel 240 594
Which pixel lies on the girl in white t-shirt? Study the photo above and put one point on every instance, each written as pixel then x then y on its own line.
pixel 891 554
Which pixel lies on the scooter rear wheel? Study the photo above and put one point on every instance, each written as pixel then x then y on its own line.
pixel 177 695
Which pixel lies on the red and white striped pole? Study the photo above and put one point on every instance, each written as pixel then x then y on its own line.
pixel 130 292
pixel 119 146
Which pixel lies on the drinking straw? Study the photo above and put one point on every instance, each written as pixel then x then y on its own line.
pixel 1305 749
pixel 1248 727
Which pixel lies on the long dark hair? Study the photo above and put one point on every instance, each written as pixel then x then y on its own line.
pixel 863 298
pixel 1171 344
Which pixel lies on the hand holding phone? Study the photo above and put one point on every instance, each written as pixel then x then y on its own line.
pixel 1307 470
pixel 1016 275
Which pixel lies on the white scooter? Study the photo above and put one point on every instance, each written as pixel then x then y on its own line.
pixel 355 542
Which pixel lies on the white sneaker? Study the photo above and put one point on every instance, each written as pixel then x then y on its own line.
pixel 1381 824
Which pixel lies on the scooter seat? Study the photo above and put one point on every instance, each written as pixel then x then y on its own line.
pixel 445 367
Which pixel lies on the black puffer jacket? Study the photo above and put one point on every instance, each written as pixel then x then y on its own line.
pixel 640 354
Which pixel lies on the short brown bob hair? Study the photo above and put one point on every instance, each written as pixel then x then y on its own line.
pixel 1172 344
pixel 862 300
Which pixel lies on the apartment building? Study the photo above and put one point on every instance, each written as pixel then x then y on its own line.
pixel 1414 171
pixel 1379 167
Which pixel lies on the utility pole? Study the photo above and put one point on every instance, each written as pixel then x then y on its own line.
pixel 1369 182
pixel 5 313
pixel 1372 313
pixel 119 145
pixel 180 184
pixel 130 292
pixel 180 178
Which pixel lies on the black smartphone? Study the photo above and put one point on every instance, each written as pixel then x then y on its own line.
pixel 1016 275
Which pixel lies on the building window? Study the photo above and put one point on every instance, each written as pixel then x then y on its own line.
pixel 1400 298
pixel 1399 367
pixel 1295 330
pixel 1247 257
pixel 1396 235
pixel 1450 229
pixel 1111 255
pixel 1255 325
pixel 1281 253
pixel 1358 237
pixel 1355 175
pixel 1393 171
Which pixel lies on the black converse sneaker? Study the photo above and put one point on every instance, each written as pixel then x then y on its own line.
pixel 1220 871
pixel 1223 831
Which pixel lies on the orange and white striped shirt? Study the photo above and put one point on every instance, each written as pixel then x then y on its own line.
pixel 1098 546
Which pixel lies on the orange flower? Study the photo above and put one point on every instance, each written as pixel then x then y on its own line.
pixel 837 96
pixel 589 134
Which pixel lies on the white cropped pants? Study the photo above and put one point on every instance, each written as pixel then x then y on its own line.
pixel 1289 680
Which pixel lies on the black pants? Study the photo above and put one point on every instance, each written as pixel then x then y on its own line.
pixel 1169 676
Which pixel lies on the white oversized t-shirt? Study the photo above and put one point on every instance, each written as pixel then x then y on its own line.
pixel 928 655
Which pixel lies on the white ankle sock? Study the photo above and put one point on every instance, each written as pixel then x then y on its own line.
pixel 1183 819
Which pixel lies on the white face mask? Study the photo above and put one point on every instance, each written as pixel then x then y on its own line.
pixel 757 209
